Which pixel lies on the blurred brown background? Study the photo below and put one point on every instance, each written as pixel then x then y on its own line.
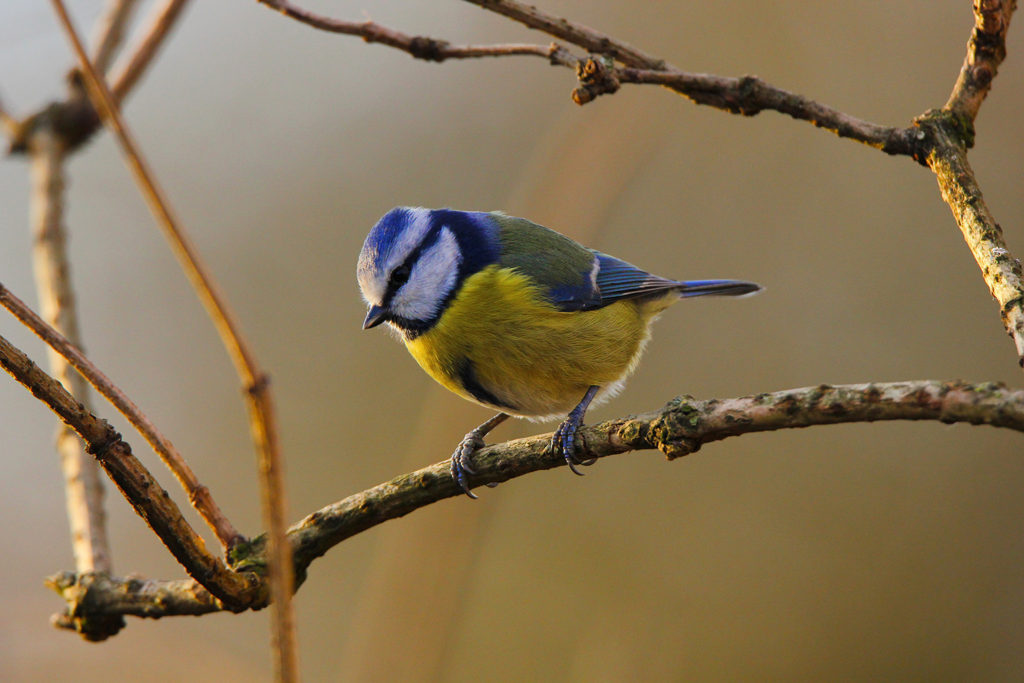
pixel 866 552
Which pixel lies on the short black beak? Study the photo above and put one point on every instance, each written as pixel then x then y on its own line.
pixel 374 316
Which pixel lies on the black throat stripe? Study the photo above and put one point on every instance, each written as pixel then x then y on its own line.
pixel 467 376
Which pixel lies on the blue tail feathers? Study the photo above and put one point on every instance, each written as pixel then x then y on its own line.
pixel 717 287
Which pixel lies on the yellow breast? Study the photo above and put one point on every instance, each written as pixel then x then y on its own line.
pixel 501 344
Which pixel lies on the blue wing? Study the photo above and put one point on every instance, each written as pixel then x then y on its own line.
pixel 617 280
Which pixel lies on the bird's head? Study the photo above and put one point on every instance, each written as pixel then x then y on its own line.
pixel 409 267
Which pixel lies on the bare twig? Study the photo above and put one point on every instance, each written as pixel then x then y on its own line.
pixel 255 382
pixel 986 50
pixel 151 502
pixel 749 96
pixel 678 429
pixel 131 69
pixel 110 32
pixel 198 494
pixel 420 47
pixel 83 488
pixel 572 32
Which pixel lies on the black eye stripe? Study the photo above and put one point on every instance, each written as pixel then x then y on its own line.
pixel 400 275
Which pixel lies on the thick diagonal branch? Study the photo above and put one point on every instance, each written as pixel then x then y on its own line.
pixel 1002 272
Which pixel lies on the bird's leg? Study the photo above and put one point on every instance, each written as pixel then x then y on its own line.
pixel 564 438
pixel 462 457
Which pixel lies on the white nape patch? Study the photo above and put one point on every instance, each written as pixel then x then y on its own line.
pixel 432 279
pixel 375 266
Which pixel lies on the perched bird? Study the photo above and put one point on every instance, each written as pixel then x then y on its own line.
pixel 512 315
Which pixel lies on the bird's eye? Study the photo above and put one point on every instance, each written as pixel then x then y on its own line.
pixel 400 275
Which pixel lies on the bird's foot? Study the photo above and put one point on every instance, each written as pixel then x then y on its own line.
pixel 564 440
pixel 462 461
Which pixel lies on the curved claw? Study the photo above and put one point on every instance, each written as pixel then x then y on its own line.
pixel 564 440
pixel 461 459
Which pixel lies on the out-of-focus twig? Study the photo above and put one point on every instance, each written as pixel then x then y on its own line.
pixel 130 69
pixel 680 428
pixel 83 488
pixel 7 122
pixel 236 589
pixel 255 382
pixel 198 494
pixel 110 32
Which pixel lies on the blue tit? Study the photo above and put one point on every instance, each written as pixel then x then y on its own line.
pixel 514 316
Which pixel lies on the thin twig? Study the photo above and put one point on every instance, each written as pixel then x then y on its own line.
pixel 83 488
pixel 151 502
pixel 680 428
pixel 110 32
pixel 986 50
pixel 420 47
pixel 254 380
pixel 575 33
pixel 198 494
pixel 749 96
pixel 131 69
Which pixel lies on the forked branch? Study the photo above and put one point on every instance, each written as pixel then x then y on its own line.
pixel 138 486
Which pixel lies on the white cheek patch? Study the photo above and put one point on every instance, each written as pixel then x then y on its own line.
pixel 432 279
